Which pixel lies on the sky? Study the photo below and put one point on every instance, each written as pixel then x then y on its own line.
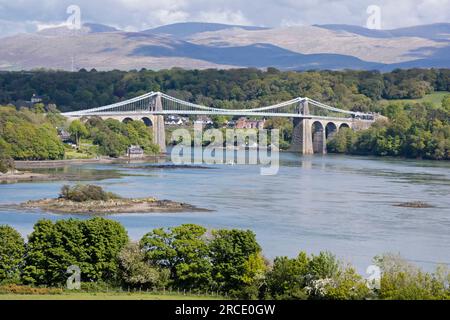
pixel 134 15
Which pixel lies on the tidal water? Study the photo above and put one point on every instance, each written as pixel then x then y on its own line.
pixel 338 203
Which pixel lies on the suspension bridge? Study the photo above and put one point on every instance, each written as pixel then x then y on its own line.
pixel 314 121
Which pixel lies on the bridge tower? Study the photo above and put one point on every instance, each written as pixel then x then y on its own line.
pixel 159 131
pixel 302 135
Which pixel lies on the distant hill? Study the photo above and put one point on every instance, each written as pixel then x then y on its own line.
pixel 436 31
pixel 210 45
pixel 256 55
pixel 99 28
pixel 186 29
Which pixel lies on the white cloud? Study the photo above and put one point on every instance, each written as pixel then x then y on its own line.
pixel 42 26
pixel 144 14
pixel 226 17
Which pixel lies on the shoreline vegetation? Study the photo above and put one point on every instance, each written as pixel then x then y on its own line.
pixel 191 259
pixel 93 200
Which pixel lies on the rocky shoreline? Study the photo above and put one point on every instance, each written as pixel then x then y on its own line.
pixel 113 206
pixel 17 176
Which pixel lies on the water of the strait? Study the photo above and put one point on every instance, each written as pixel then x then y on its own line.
pixel 338 203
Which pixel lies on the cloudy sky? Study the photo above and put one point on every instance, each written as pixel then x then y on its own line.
pixel 132 15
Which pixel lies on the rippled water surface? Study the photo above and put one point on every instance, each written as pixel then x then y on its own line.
pixel 337 203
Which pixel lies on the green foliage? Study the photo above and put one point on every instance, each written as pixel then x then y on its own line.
pixel 238 88
pixel 314 277
pixel 230 261
pixel 230 252
pixel 184 251
pixel 12 248
pixel 77 131
pixel 342 141
pixel 413 131
pixel 134 271
pixel 82 193
pixel 114 137
pixel 346 284
pixel 93 245
pixel 187 257
pixel 28 136
pixel 287 278
pixel 402 281
pixel 286 129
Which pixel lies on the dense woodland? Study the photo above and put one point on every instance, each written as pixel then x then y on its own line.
pixel 414 129
pixel 190 258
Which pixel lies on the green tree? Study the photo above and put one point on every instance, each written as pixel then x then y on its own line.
pixel 136 272
pixel 401 280
pixel 184 251
pixel 230 251
pixel 93 245
pixel 342 141
pixel 288 278
pixel 78 130
pixel 12 248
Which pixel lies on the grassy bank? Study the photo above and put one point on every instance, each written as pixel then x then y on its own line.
pixel 434 98
pixel 106 296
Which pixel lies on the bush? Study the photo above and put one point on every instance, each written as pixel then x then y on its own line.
pixel 401 280
pixel 82 193
pixel 134 271
pixel 314 277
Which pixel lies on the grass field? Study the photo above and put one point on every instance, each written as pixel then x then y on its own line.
pixel 105 296
pixel 434 98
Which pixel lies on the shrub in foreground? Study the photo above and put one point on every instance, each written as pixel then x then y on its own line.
pixel 403 281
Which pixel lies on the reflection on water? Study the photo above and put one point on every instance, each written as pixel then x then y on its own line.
pixel 337 203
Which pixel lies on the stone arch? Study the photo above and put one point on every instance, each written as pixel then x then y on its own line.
pixel 126 120
pixel 330 130
pixel 344 125
pixel 318 137
pixel 148 122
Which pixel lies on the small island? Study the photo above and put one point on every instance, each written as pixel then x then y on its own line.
pixel 414 204
pixel 92 199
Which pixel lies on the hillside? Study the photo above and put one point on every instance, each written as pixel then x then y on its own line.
pixel 210 45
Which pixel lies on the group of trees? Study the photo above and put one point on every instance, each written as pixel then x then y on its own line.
pixel 112 136
pixel 189 257
pixel 413 130
pixel 29 134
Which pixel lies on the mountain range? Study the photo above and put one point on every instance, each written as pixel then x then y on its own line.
pixel 211 45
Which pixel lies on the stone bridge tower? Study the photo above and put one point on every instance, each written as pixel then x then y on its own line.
pixel 302 135
pixel 159 131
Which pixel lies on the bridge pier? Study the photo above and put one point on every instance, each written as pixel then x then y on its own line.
pixel 159 130
pixel 302 136
pixel 159 133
